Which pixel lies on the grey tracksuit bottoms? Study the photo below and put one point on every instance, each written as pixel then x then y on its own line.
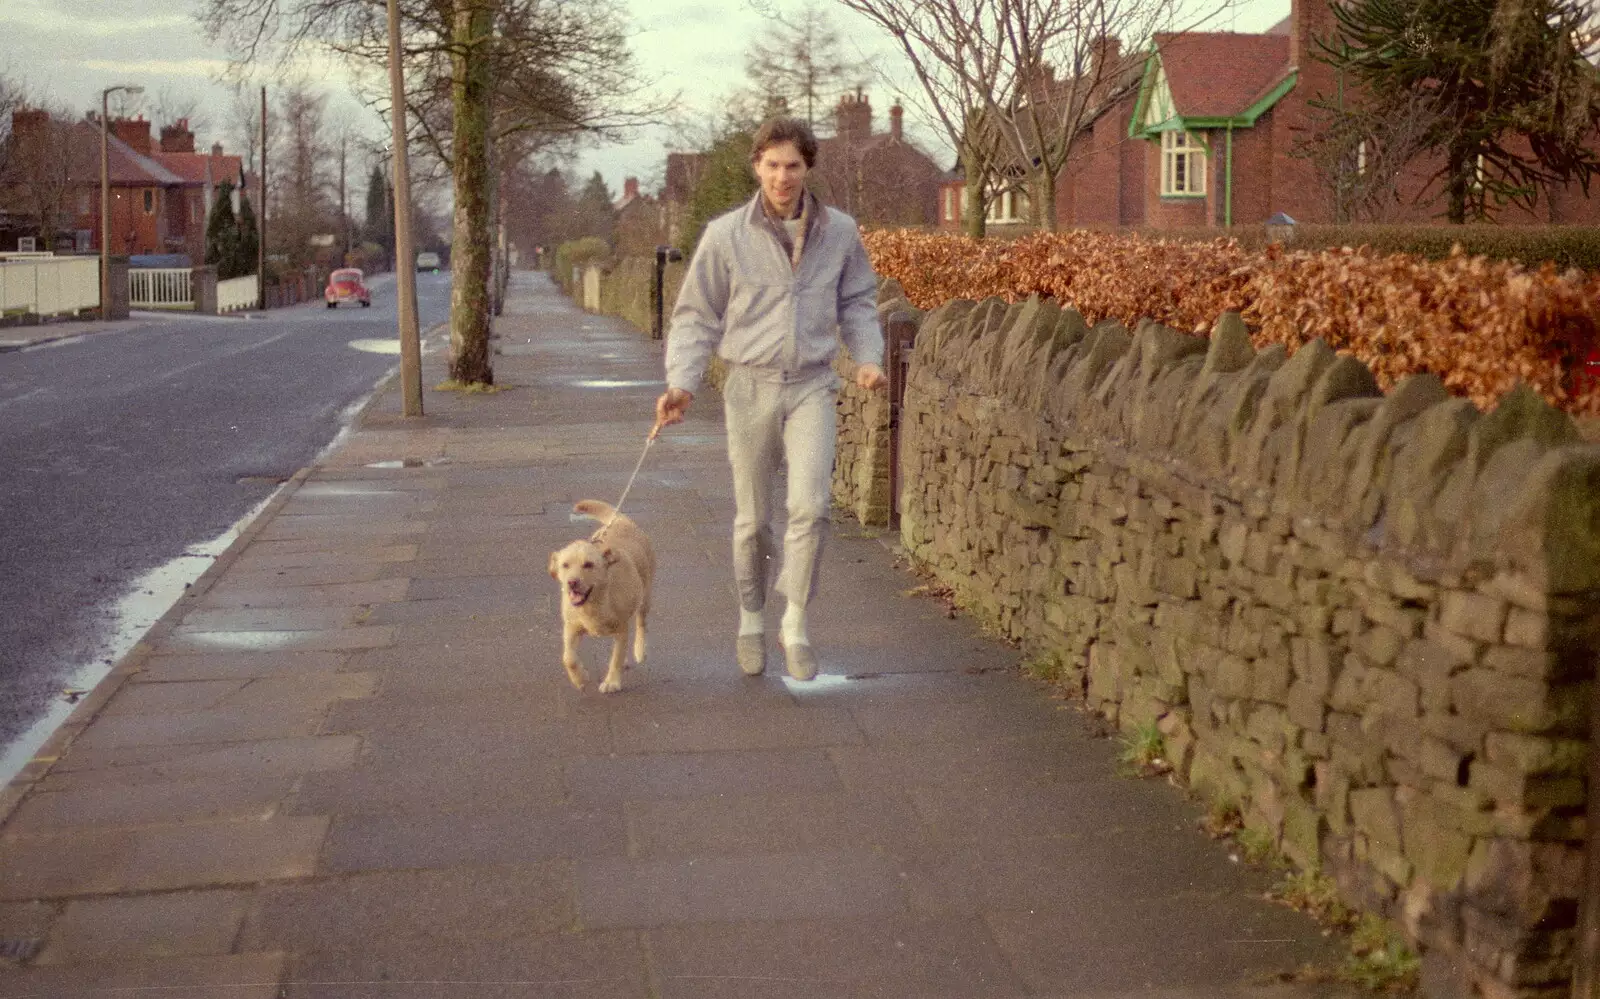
pixel 776 419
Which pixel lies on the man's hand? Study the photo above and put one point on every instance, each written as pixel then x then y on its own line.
pixel 871 378
pixel 674 402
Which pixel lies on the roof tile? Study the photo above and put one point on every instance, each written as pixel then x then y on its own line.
pixel 1220 74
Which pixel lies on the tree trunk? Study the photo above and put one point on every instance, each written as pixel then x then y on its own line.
pixel 1460 165
pixel 470 242
pixel 973 221
pixel 1044 206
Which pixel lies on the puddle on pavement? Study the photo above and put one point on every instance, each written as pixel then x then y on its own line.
pixel 615 383
pixel 310 489
pixel 245 641
pixel 376 346
pixel 408 463
pixel 146 600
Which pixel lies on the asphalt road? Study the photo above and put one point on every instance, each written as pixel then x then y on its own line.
pixel 122 454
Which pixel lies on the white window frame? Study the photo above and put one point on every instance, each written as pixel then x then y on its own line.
pixel 1006 206
pixel 951 198
pixel 1361 158
pixel 1183 165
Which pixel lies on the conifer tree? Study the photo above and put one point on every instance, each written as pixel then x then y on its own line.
pixel 222 232
pixel 1511 86
pixel 247 249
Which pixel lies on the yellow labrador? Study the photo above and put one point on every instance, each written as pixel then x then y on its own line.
pixel 605 584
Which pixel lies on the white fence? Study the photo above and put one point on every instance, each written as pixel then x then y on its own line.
pixel 238 293
pixel 47 285
pixel 160 288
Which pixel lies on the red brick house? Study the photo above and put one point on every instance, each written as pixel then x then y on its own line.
pixel 878 178
pixel 640 222
pixel 160 195
pixel 202 174
pixel 1208 138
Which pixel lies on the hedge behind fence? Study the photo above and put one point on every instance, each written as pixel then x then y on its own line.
pixel 1481 325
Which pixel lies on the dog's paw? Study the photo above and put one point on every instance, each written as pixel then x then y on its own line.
pixel 579 676
pixel 610 686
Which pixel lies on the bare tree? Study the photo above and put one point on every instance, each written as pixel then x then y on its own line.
pixel 802 61
pixel 957 52
pixel 50 159
pixel 300 182
pixel 1360 151
pixel 476 71
pixel 1068 57
pixel 13 95
pixel 170 107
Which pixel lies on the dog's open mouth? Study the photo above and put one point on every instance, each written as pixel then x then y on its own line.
pixel 579 597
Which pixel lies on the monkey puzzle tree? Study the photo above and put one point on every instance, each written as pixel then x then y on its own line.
pixel 1510 86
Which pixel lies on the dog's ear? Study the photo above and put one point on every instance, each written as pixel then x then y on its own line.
pixel 610 556
pixel 553 560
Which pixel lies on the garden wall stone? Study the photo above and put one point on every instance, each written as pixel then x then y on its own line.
pixel 1366 620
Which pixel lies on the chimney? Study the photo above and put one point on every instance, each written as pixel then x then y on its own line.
pixel 177 138
pixel 216 149
pixel 630 188
pixel 896 114
pixel 26 122
pixel 853 116
pixel 1309 21
pixel 1107 53
pixel 135 132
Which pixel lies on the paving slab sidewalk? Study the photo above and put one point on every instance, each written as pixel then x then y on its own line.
pixel 349 764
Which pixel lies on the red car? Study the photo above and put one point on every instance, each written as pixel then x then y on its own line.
pixel 347 285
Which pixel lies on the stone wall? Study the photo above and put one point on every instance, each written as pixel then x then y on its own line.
pixel 861 463
pixel 624 289
pixel 1367 621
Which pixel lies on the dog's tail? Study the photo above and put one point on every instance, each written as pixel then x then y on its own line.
pixel 595 509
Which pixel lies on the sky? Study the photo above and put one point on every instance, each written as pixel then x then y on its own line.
pixel 66 51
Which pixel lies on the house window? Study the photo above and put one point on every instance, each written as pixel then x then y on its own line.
pixel 950 199
pixel 149 201
pixel 1009 205
pixel 84 205
pixel 1183 165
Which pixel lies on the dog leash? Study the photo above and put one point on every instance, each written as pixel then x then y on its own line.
pixel 649 440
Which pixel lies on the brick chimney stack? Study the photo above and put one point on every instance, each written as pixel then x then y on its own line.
pixel 853 116
pixel 630 188
pixel 176 138
pixel 1309 20
pixel 216 149
pixel 1107 52
pixel 896 117
pixel 26 122
pixel 135 132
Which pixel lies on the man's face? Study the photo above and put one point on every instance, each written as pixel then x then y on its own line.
pixel 782 172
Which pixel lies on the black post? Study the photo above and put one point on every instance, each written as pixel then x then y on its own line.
pixel 658 290
pixel 1586 960
pixel 901 338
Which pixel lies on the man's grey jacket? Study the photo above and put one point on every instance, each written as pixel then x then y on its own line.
pixel 743 300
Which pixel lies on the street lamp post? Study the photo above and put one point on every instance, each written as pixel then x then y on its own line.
pixel 405 265
pixel 105 195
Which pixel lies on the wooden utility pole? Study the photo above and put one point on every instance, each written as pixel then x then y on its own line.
pixel 261 210
pixel 405 264
pixel 344 213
